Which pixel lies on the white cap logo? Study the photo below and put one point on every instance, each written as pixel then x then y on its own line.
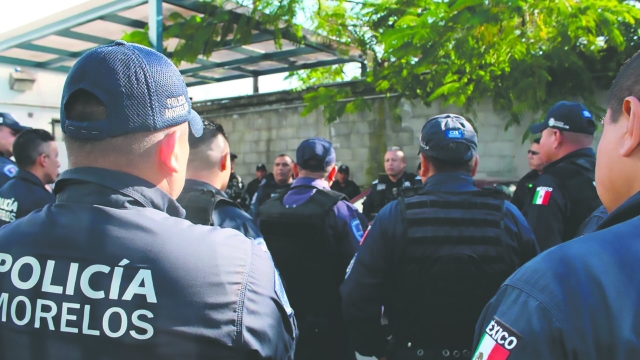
pixel 552 122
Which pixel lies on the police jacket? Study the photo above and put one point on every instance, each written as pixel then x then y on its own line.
pixel 8 169
pixel 578 300
pixel 565 195
pixel 350 189
pixel 384 190
pixel 206 205
pixel 111 271
pixel 268 189
pixel 525 190
pixel 235 187
pixel 21 195
pixel 591 224
pixel 409 260
pixel 313 234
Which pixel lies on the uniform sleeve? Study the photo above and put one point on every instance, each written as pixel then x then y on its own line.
pixel 516 326
pixel 366 284
pixel 546 213
pixel 527 244
pixel 268 322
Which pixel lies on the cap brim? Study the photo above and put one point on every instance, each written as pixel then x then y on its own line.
pixel 195 124
pixel 538 128
pixel 18 128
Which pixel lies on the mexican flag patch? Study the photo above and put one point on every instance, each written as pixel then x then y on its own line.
pixel 497 342
pixel 542 195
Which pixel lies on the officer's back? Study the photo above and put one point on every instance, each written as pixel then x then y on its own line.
pixel 36 154
pixel 313 233
pixel 110 271
pixel 565 194
pixel 207 174
pixel 579 300
pixel 434 259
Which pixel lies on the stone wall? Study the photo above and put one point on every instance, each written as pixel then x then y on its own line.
pixel 262 126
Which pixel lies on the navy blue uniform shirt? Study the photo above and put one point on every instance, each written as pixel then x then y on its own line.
pixel 344 225
pixel 578 300
pixel 111 271
pixel 21 195
pixel 8 170
pixel 225 215
pixel 366 286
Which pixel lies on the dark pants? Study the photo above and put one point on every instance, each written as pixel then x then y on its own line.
pixel 323 340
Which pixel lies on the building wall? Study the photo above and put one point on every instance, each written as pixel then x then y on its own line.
pixel 263 126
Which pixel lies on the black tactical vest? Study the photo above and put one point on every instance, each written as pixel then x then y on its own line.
pixel 201 204
pixel 456 255
pixel 577 179
pixel 296 238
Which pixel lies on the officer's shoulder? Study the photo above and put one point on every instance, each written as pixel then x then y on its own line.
pixel 374 182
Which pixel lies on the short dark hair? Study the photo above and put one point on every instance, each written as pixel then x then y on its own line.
pixel 536 141
pixel 444 166
pixel 285 155
pixel 211 131
pixel 626 83
pixel 29 145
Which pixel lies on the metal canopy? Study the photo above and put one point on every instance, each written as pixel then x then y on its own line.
pixel 56 42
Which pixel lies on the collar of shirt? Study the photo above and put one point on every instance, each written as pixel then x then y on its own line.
pixel 30 177
pixel 131 186
pixel 454 181
pixel 191 184
pixel 627 211
pixel 302 193
pixel 580 153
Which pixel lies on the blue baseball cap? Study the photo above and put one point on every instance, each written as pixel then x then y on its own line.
pixel 315 154
pixel 567 116
pixel 9 121
pixel 140 88
pixel 446 129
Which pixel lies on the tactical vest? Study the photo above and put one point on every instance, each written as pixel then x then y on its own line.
pixel 384 192
pixel 201 205
pixel 456 253
pixel 296 238
pixel 577 179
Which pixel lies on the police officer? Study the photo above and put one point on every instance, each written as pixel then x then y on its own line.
pixel 344 185
pixel 235 187
pixel 389 185
pixel 207 175
pixel 36 154
pixel 433 260
pixel 565 194
pixel 524 189
pixel 579 300
pixel 111 270
pixel 9 129
pixel 312 233
pixel 252 186
pixel 274 184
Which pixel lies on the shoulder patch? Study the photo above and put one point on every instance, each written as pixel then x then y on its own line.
pixel 542 195
pixel 356 228
pixel 375 181
pixel 282 295
pixel 497 342
pixel 380 187
pixel 10 170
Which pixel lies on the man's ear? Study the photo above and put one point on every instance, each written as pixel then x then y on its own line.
pixel 424 168
pixel 474 169
pixel 557 138
pixel 296 170
pixel 631 140
pixel 332 173
pixel 168 152
pixel 223 161
pixel 41 160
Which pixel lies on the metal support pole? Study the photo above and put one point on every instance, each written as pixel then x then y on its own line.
pixel 155 25
pixel 256 90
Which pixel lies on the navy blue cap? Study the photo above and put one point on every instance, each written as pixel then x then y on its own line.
pixel 567 116
pixel 261 167
pixel 9 121
pixel 141 89
pixel 446 129
pixel 315 154
pixel 343 169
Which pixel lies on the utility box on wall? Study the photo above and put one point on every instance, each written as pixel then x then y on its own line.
pixel 20 80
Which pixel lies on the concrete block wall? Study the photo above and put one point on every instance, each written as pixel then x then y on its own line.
pixel 261 127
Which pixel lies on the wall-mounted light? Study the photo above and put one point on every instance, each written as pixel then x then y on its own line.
pixel 20 80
